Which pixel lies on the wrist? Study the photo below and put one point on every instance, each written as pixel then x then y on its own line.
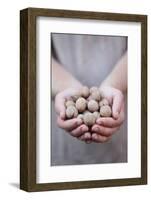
pixel 73 87
pixel 108 84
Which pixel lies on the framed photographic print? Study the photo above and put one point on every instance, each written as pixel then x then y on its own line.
pixel 83 99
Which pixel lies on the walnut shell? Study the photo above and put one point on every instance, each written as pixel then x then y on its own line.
pixel 85 91
pixel 89 119
pixel 93 89
pixel 71 112
pixel 93 106
pixel 69 103
pixel 105 111
pixel 89 98
pixel 80 116
pixel 96 114
pixel 96 95
pixel 86 111
pixel 103 102
pixel 81 104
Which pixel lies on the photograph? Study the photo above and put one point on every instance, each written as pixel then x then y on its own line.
pixel 74 100
pixel 89 99
pixel 83 99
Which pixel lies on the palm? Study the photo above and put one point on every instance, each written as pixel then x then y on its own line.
pixel 73 126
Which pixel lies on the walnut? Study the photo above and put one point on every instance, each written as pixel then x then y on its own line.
pixel 89 119
pixel 86 111
pixel 81 104
pixel 69 103
pixel 93 89
pixel 80 116
pixel 105 111
pixel 90 98
pixel 71 112
pixel 103 102
pixel 87 105
pixel 96 114
pixel 84 92
pixel 93 106
pixel 96 95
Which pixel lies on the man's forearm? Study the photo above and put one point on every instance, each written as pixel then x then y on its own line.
pixel 118 77
pixel 62 79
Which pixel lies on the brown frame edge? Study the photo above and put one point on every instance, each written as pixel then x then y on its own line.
pixel 28 98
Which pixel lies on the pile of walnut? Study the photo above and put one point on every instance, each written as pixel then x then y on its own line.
pixel 87 105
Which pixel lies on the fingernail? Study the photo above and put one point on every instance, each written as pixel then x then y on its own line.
pixel 97 129
pixel 84 129
pixel 95 137
pixel 99 122
pixel 87 136
pixel 116 115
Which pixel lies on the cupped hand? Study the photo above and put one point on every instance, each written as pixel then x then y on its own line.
pixel 75 126
pixel 105 127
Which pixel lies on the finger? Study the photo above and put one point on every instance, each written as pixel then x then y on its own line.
pixel 99 138
pixel 104 131
pixel 111 122
pixel 70 124
pixel 117 105
pixel 81 138
pixel 88 141
pixel 86 137
pixel 79 131
pixel 60 106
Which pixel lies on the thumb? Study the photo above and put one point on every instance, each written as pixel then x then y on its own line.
pixel 60 106
pixel 117 104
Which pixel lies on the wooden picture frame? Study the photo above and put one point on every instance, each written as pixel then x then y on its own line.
pixel 28 98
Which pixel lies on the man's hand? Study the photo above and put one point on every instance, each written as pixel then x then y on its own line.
pixel 73 126
pixel 105 127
